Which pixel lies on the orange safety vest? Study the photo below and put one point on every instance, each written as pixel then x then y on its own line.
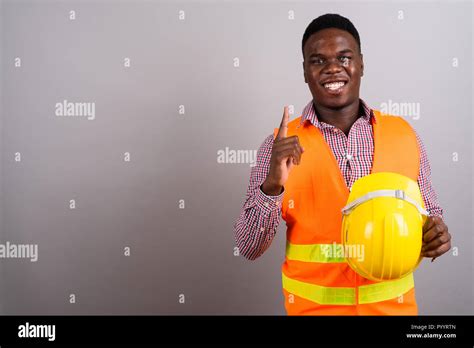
pixel 314 281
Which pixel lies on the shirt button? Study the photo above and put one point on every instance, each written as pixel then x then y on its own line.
pixel 266 204
pixel 262 229
pixel 349 156
pixel 334 130
pixel 277 203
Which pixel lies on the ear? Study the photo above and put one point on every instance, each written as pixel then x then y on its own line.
pixel 362 65
pixel 304 73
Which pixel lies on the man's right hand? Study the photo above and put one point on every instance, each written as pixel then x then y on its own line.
pixel 286 152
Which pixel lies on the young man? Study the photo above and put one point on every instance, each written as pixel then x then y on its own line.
pixel 332 145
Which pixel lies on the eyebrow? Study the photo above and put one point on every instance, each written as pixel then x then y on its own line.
pixel 346 50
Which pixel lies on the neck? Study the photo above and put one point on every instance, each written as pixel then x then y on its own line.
pixel 341 118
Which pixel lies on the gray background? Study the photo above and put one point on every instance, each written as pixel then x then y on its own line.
pixel 190 251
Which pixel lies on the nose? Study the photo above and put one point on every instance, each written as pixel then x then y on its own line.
pixel 333 66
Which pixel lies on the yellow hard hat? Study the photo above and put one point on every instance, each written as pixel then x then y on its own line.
pixel 383 221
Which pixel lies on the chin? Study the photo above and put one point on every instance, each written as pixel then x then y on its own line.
pixel 335 103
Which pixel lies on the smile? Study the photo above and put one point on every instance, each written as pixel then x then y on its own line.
pixel 334 87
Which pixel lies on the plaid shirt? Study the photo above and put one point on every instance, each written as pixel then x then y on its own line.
pixel 260 216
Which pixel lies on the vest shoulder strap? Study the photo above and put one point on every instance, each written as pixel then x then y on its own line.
pixel 396 146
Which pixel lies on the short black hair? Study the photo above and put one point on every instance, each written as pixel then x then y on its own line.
pixel 330 20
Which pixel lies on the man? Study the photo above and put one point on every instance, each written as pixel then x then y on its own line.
pixel 306 169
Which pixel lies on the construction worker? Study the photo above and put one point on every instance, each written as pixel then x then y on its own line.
pixel 304 172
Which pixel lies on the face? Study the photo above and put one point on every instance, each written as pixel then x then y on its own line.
pixel 333 67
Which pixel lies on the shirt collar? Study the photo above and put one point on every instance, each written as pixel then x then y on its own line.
pixel 309 114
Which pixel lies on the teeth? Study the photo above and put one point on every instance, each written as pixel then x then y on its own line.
pixel 334 85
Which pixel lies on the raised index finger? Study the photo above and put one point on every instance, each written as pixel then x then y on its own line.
pixel 284 124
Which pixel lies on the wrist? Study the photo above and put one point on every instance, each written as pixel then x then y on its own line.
pixel 271 189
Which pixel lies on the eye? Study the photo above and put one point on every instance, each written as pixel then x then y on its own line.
pixel 345 59
pixel 317 60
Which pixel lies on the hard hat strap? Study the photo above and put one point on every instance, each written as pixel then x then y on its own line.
pixel 400 194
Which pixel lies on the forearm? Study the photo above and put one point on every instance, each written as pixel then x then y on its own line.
pixel 257 225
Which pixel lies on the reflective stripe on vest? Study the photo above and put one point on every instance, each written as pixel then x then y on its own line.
pixel 385 290
pixel 326 253
pixel 346 296
pixel 317 293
